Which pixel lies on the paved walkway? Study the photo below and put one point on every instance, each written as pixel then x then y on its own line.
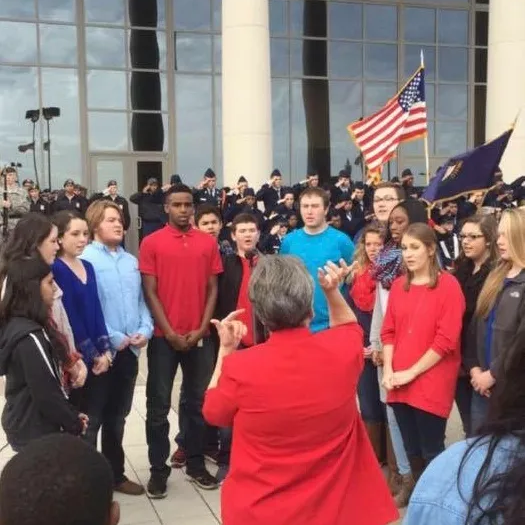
pixel 185 504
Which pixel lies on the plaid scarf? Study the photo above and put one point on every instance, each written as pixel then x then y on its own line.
pixel 388 265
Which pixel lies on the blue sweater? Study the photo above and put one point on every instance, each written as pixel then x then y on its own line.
pixel 83 309
pixel 315 251
pixel 120 291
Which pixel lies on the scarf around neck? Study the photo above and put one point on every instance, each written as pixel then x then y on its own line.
pixel 388 265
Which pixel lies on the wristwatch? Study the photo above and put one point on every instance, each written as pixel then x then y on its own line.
pixel 110 358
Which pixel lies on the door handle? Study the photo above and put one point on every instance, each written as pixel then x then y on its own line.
pixel 139 223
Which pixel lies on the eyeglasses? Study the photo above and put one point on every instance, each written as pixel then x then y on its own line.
pixel 470 236
pixel 385 199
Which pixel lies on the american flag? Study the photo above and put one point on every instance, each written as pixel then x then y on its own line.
pixel 403 118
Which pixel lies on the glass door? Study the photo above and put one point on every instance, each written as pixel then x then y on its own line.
pixel 131 173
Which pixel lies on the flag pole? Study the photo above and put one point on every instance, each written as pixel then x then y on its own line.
pixel 427 160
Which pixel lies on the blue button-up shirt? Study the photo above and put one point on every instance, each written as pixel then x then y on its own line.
pixel 120 290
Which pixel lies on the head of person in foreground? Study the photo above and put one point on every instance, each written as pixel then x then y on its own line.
pixel 57 480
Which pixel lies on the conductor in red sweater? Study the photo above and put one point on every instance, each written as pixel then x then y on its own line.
pixel 421 353
pixel 300 453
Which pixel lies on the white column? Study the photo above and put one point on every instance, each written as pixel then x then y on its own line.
pixel 246 92
pixel 506 81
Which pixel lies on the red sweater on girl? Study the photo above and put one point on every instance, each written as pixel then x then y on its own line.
pixel 418 320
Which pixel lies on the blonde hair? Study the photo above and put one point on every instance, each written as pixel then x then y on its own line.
pixel 360 256
pixel 425 235
pixel 512 224
pixel 95 214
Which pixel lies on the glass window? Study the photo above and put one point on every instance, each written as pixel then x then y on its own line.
pixel 346 20
pixel 147 13
pixel 60 88
pixel 280 56
pixel 430 93
pixel 110 170
pixel 108 131
pixel 278 17
pixel 453 64
pixel 194 135
pixel 346 60
pixel 105 47
pixel 380 22
pixel 58 44
pixel 452 102
pixel 445 2
pixel 147 131
pixel 299 145
pixel 192 14
pixel 147 49
pixel 217 54
pixel 420 24
pixel 381 61
pixel 217 163
pixel 193 52
pixel 309 58
pixel 217 14
pixel 57 11
pixel 480 65
pixel 106 89
pixel 451 138
pixel 17 9
pixel 413 60
pixel 453 27
pixel 11 36
pixel 417 147
pixel 345 107
pixel 482 28
pixel 480 108
pixel 281 125
pixel 308 18
pixel 19 93
pixel 105 11
pixel 148 91
pixel 377 95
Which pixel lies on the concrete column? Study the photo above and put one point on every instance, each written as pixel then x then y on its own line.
pixel 246 92
pixel 506 81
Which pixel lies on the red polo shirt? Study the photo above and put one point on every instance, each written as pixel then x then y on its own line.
pixel 182 262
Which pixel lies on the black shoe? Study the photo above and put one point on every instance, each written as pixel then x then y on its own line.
pixel 203 479
pixel 156 488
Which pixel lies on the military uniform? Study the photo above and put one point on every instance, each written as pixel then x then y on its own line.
pixel 19 200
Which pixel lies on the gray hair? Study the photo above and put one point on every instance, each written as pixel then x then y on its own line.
pixel 281 291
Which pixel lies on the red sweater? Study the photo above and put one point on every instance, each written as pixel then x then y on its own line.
pixel 419 320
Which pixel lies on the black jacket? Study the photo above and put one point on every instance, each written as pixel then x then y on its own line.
pixel 150 205
pixel 35 404
pixel 508 321
pixel 230 281
pixel 269 196
pixel 40 206
pixel 78 204
pixel 211 196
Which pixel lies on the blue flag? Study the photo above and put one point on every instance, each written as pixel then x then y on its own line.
pixel 468 172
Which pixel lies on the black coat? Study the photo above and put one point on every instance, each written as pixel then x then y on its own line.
pixel 76 203
pixel 40 206
pixel 35 405
pixel 151 206
pixel 269 196
pixel 205 196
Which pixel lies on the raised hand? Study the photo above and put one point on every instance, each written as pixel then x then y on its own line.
pixel 230 330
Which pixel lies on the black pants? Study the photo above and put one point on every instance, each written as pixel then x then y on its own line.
pixel 197 368
pixel 423 433
pixel 464 392
pixel 107 400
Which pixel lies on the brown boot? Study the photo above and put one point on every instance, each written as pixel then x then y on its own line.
pixel 393 478
pixel 130 488
pixel 374 431
pixel 407 487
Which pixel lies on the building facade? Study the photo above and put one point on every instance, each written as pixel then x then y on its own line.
pixel 154 87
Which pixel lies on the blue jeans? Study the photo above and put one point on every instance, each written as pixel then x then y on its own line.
pixel 107 400
pixel 423 433
pixel 372 409
pixel 478 411
pixel 197 368
pixel 403 464
pixel 464 393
